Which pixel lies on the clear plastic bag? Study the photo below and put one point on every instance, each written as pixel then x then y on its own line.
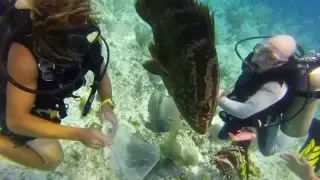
pixel 131 157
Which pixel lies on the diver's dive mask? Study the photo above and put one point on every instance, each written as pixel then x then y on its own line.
pixel 269 57
pixel 266 57
pixel 65 47
pixel 251 67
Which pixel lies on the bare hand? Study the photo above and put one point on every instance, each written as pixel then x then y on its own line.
pixel 242 136
pixel 222 93
pixel 93 138
pixel 107 114
pixel 300 167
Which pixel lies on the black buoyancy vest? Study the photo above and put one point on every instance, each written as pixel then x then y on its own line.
pixel 2 7
pixel 93 61
pixel 249 83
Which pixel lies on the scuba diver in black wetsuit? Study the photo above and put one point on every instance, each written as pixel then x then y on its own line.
pixel 292 106
pixel 43 61
pixel 264 94
pixel 294 112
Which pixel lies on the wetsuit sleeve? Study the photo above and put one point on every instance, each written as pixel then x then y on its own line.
pixel 266 96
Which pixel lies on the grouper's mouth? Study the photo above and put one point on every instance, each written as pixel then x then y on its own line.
pixel 199 120
pixel 204 115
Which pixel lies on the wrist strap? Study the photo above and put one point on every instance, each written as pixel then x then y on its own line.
pixel 108 101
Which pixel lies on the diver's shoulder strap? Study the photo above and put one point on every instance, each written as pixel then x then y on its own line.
pixel 94 59
pixel 311 94
pixel 25 36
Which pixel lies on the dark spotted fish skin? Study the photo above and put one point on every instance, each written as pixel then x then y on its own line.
pixel 184 55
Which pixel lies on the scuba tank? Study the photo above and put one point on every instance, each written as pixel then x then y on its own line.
pixel 299 125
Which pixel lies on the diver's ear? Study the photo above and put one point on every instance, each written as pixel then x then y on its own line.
pixel 92 37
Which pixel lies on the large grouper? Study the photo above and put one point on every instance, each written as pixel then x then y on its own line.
pixel 184 55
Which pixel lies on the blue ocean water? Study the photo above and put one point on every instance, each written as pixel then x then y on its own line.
pixel 128 37
pixel 305 14
pixel 298 18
